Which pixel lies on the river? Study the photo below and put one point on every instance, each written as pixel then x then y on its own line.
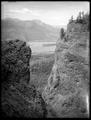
pixel 42 47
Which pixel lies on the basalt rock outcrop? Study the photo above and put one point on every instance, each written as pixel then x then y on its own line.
pixel 15 61
pixel 67 90
pixel 18 97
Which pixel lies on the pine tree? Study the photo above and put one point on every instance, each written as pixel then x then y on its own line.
pixel 62 33
pixel 71 20
pixel 79 17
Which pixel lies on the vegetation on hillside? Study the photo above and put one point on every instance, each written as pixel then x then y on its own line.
pixel 40 68
pixel 76 27
pixel 82 18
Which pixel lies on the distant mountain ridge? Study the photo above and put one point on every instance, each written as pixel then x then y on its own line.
pixel 34 30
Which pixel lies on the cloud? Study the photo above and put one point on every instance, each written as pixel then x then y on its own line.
pixel 25 11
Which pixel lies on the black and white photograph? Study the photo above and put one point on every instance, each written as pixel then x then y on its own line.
pixel 45 59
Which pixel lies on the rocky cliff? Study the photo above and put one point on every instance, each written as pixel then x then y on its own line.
pixel 67 90
pixel 15 61
pixel 18 98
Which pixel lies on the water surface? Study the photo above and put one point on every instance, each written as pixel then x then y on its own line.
pixel 42 47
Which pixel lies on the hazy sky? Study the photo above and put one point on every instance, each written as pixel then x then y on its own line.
pixel 53 13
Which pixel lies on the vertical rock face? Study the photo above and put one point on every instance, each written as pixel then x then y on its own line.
pixel 68 83
pixel 18 98
pixel 15 61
